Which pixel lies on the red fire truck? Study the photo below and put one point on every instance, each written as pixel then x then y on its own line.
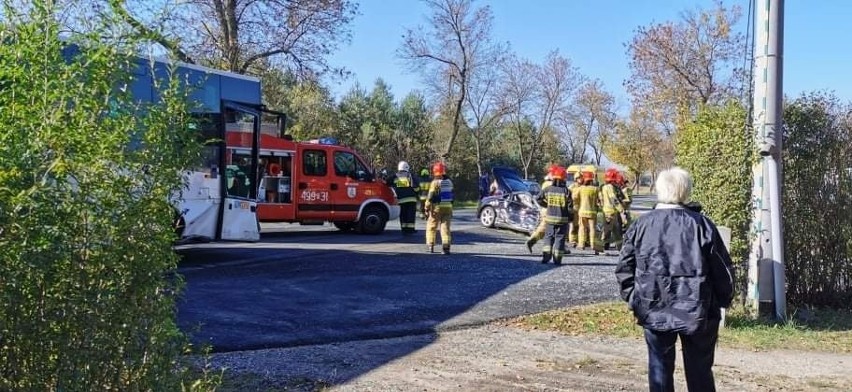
pixel 310 182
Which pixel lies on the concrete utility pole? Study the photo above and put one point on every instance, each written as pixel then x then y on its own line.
pixel 766 277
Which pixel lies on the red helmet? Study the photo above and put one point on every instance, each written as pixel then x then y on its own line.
pixel 588 176
pixel 557 172
pixel 439 169
pixel 611 175
pixel 619 179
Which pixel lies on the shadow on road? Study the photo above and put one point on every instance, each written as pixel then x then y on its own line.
pixel 284 295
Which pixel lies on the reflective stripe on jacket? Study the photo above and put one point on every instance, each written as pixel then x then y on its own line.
pixel 609 200
pixel 441 193
pixel 587 201
pixel 404 186
pixel 558 201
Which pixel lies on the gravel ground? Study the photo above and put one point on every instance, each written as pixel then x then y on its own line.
pixel 499 357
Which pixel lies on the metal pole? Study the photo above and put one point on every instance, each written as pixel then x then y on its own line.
pixel 775 165
pixel 766 263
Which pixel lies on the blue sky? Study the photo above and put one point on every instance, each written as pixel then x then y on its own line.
pixel 592 33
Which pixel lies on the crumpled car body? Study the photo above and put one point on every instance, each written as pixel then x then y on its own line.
pixel 513 207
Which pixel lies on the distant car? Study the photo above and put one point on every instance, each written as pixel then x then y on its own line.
pixel 513 207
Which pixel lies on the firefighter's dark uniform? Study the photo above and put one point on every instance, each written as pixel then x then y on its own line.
pixel 406 186
pixel 557 200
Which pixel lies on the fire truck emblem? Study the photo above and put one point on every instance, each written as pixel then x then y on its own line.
pixel 350 191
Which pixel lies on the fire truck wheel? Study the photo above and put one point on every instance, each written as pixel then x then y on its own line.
pixel 345 226
pixel 373 220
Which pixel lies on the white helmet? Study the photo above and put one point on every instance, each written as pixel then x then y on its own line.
pixel 403 166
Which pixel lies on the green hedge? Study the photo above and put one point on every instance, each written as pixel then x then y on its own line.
pixel 86 235
pixel 718 150
pixel 817 204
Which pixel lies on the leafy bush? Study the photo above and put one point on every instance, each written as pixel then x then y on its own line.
pixel 86 262
pixel 817 204
pixel 718 150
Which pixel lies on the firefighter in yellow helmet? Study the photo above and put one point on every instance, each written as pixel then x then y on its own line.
pixel 558 210
pixel 439 204
pixel 423 191
pixel 587 208
pixel 538 233
pixel 612 206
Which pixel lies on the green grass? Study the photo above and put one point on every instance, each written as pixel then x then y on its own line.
pixel 824 330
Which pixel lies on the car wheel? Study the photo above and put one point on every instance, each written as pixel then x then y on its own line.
pixel 373 220
pixel 345 226
pixel 487 216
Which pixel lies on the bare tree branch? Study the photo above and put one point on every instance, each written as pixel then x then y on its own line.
pixel 678 66
pixel 118 7
pixel 457 40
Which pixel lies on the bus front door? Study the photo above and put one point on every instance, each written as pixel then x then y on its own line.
pixel 239 209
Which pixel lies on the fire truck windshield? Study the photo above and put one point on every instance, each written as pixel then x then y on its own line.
pixel 346 164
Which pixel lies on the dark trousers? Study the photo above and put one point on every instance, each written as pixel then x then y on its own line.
pixel 554 239
pixel 407 216
pixel 698 351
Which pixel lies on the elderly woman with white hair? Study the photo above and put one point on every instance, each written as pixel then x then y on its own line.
pixel 675 274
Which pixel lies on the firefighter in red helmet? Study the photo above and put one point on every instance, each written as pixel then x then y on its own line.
pixel 556 199
pixel 586 200
pixel 538 233
pixel 439 207
pixel 611 204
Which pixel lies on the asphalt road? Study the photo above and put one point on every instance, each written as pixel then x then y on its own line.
pixel 314 285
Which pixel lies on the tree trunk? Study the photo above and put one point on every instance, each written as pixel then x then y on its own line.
pixel 478 144
pixel 456 118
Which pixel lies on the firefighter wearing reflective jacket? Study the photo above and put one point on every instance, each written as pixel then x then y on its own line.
pixel 439 204
pixel 538 233
pixel 558 204
pixel 423 191
pixel 586 200
pixel 611 203
pixel 405 186
pixel 574 228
